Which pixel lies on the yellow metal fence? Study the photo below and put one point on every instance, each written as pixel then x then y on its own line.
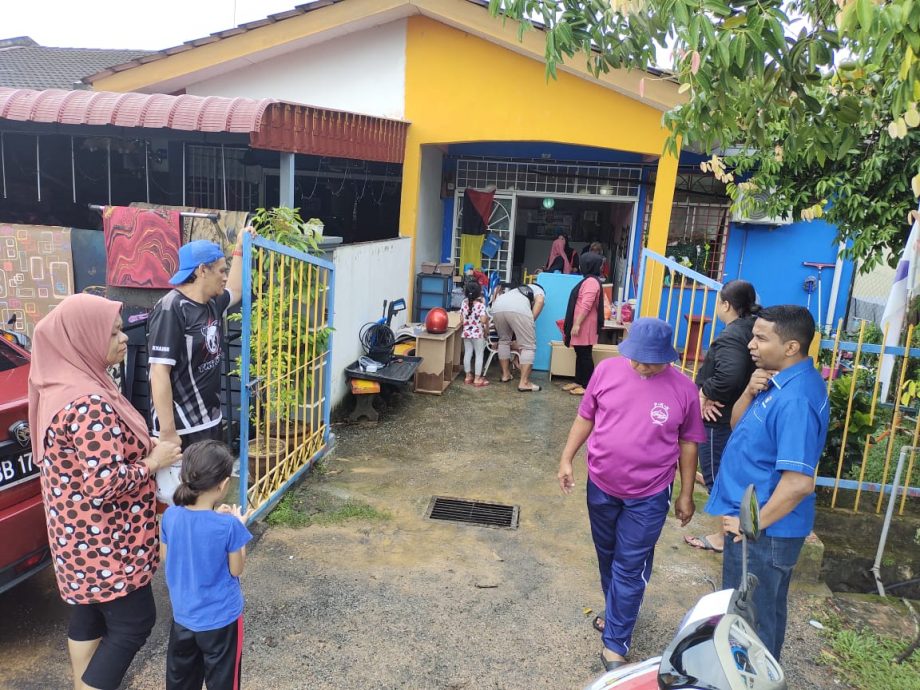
pixel 284 368
pixel 866 432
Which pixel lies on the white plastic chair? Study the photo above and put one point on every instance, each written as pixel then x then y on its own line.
pixel 492 349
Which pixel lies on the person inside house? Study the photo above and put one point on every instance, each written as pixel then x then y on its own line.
pixel 641 420
pixel 573 255
pixel 598 249
pixel 584 320
pixel 722 378
pixel 559 261
pixel 514 313
pixel 779 429
pixel 185 348
pixel 97 465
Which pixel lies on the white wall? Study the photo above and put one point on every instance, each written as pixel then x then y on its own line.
pixel 366 274
pixel 430 220
pixel 364 72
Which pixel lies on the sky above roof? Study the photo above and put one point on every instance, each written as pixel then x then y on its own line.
pixel 121 24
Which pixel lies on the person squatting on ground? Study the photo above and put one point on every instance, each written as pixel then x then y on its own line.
pixel 185 346
pixel 780 425
pixel 722 378
pixel 584 320
pixel 515 312
pixel 97 465
pixel 475 329
pixel 204 548
pixel 641 420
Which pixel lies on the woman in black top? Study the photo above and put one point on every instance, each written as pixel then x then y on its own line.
pixel 722 378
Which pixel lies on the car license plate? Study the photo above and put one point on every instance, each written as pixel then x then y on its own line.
pixel 16 469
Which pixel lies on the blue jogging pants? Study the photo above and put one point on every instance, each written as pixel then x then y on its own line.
pixel 625 532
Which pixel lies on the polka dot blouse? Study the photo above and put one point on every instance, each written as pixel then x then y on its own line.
pixel 99 501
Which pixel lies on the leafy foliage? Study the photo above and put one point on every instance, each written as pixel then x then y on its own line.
pixel 283 341
pixel 865 659
pixel 812 103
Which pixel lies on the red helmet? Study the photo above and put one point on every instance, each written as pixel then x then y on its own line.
pixel 436 321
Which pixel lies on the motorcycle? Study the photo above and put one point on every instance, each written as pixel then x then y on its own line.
pixel 16 337
pixel 715 647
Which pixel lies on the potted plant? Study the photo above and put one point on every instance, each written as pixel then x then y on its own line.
pixel 283 338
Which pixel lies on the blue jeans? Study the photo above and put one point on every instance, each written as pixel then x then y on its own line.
pixel 771 559
pixel 711 449
pixel 625 532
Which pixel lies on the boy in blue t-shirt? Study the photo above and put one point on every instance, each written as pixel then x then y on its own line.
pixel 204 548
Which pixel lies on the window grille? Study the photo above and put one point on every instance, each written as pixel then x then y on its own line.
pixel 549 178
pixel 698 231
pixel 216 177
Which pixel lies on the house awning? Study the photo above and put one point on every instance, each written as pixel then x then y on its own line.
pixel 270 124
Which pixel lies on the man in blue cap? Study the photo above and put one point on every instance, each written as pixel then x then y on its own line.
pixel 186 339
pixel 641 419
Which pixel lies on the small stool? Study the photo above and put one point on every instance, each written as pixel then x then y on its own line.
pixel 364 391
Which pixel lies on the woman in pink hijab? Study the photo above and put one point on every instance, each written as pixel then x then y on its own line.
pixel 97 466
pixel 558 261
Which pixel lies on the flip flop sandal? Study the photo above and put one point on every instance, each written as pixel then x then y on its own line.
pixel 481 384
pixel 569 386
pixel 577 391
pixel 598 624
pixel 533 388
pixel 507 380
pixel 613 664
pixel 704 541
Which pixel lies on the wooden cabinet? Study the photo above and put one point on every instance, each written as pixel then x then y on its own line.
pixel 442 360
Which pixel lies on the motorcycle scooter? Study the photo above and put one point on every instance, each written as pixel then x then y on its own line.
pixel 716 647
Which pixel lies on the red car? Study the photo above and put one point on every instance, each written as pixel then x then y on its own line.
pixel 23 535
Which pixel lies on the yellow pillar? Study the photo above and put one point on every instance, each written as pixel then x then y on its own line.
pixel 408 205
pixel 660 221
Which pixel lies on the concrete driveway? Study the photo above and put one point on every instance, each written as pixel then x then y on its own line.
pixel 413 603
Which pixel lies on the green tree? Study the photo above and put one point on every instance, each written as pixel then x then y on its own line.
pixel 813 103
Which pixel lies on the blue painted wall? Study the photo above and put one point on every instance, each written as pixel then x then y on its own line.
pixel 771 258
pixel 772 261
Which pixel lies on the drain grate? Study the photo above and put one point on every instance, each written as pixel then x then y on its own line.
pixel 473 512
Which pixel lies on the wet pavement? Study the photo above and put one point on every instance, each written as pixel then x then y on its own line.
pixel 413 603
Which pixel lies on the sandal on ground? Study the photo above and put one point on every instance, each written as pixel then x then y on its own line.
pixel 481 384
pixel 612 664
pixel 569 386
pixel 510 378
pixel 702 543
pixel 533 389
pixel 468 379
pixel 598 624
pixel 578 390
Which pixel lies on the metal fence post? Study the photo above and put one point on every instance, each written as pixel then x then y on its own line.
pixel 245 352
pixel 895 485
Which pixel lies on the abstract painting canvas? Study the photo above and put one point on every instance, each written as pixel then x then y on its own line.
pixel 141 246
pixel 36 272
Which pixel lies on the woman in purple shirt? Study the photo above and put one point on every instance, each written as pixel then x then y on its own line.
pixel 641 420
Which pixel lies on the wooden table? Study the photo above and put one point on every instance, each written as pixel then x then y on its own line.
pixel 441 355
pixel 613 332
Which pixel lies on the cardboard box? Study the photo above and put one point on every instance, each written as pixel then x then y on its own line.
pixel 453 319
pixel 562 358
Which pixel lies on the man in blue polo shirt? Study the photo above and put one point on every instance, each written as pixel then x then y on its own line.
pixel 779 428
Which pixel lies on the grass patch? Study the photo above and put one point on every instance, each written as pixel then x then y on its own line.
pixel 865 659
pixel 292 511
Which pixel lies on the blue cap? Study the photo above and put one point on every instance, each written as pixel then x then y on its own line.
pixel 192 255
pixel 649 342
